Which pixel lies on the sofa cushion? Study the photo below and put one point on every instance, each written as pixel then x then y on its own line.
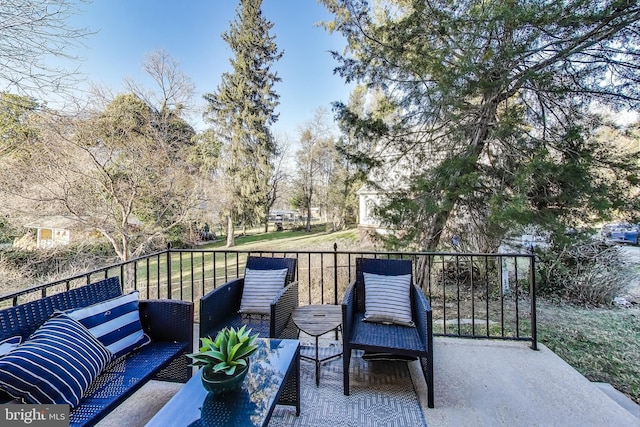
pixel 115 322
pixel 260 289
pixel 55 365
pixel 122 377
pixel 9 344
pixel 387 299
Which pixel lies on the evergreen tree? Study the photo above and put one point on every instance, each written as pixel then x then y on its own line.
pixel 15 123
pixel 241 111
pixel 489 112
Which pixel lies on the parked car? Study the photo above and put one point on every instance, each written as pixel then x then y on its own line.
pixel 622 232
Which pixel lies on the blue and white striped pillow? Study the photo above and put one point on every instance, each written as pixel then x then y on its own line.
pixel 9 344
pixel 55 365
pixel 387 299
pixel 260 289
pixel 115 323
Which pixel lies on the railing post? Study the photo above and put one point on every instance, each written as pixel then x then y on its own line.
pixel 335 273
pixel 169 270
pixel 335 278
pixel 532 291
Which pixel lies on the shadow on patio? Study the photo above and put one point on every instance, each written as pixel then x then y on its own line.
pixel 477 383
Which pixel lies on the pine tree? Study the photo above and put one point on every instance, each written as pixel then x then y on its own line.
pixel 241 111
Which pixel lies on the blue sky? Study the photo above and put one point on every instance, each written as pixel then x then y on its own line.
pixel 190 32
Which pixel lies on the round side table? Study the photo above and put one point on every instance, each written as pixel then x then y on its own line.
pixel 317 320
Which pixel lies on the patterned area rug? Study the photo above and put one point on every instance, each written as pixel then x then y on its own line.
pixel 382 394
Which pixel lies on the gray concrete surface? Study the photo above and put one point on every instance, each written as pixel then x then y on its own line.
pixel 495 383
pixel 620 398
pixel 477 383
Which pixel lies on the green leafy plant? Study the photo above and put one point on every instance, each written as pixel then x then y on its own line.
pixel 229 350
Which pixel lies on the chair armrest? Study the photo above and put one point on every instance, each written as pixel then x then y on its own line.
pixel 167 320
pixel 348 307
pixel 422 316
pixel 219 304
pixel 282 307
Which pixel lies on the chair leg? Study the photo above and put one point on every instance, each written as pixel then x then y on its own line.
pixel 346 359
pixel 427 370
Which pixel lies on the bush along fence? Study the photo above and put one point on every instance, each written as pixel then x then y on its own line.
pixel 472 295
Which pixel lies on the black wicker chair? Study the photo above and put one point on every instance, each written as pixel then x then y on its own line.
pixel 386 338
pixel 219 308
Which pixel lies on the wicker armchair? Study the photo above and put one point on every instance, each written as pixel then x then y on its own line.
pixel 219 308
pixel 387 338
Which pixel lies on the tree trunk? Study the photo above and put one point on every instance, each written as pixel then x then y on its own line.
pixel 231 240
pixel 479 134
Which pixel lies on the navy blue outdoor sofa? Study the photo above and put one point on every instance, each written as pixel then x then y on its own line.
pixel 168 323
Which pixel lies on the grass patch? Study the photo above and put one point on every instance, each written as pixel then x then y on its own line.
pixel 317 234
pixel 602 344
pixel 294 240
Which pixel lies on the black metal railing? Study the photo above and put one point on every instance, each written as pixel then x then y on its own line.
pixel 472 295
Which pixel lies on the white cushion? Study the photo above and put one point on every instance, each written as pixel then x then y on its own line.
pixel 260 289
pixel 55 365
pixel 387 299
pixel 115 323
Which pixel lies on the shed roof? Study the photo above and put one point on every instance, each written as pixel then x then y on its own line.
pixel 55 221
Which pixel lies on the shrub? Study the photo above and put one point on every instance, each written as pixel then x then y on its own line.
pixel 590 274
pixel 45 265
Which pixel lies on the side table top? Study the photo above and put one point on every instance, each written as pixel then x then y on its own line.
pixel 317 320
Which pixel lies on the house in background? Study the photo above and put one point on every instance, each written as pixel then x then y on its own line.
pixel 392 175
pixel 55 231
pixel 368 200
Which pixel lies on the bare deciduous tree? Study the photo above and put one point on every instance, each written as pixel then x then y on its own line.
pixel 36 40
pixel 174 90
pixel 314 160
pixel 124 169
pixel 278 177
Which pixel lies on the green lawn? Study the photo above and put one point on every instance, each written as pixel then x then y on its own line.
pixel 317 238
pixel 603 344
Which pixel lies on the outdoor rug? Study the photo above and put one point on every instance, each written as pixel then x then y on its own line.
pixel 382 394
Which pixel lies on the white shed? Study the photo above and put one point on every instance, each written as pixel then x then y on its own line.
pixel 54 230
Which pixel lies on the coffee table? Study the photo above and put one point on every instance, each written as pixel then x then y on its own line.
pixel 273 378
pixel 317 320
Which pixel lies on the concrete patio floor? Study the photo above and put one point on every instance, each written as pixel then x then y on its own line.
pixel 499 383
pixel 477 383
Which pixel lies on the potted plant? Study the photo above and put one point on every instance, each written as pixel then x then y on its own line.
pixel 225 360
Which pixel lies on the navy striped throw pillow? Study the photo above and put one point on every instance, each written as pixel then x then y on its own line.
pixel 115 323
pixel 55 365
pixel 260 289
pixel 9 344
pixel 387 299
